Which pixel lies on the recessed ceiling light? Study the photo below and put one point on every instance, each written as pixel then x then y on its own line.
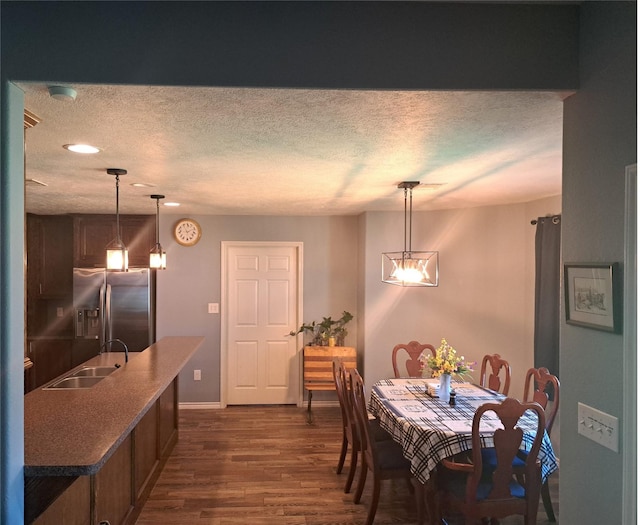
pixel 142 185
pixel 174 204
pixel 81 148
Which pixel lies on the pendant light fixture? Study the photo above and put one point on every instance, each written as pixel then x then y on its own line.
pixel 157 256
pixel 409 268
pixel 117 253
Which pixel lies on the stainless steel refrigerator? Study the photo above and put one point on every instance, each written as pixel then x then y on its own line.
pixel 112 305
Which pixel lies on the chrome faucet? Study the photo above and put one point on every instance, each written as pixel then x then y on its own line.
pixel 126 348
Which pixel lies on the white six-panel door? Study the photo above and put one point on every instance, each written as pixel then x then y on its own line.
pixel 262 298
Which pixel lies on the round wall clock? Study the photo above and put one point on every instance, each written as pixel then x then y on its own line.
pixel 187 232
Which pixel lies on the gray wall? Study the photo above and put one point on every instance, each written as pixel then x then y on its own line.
pixel 600 139
pixel 484 303
pixel 193 279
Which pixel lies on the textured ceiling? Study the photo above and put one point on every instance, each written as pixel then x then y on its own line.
pixel 247 151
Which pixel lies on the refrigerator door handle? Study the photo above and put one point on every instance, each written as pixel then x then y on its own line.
pixel 101 306
pixel 108 332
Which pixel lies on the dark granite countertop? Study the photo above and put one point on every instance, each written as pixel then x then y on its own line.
pixel 73 432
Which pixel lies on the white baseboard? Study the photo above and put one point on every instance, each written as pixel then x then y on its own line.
pixel 199 405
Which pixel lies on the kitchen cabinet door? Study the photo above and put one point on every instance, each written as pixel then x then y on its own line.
pixel 93 233
pixel 49 256
pixel 145 453
pixel 168 419
pixel 73 507
pixel 139 236
pixel 113 487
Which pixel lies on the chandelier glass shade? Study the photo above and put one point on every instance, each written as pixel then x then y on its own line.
pixel 410 268
pixel 157 256
pixel 117 253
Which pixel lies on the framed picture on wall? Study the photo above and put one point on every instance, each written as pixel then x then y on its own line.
pixel 591 296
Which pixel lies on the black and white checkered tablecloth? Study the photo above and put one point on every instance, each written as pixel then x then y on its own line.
pixel 430 430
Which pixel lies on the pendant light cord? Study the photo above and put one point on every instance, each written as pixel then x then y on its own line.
pixel 407 218
pixel 157 220
pixel 410 216
pixel 119 239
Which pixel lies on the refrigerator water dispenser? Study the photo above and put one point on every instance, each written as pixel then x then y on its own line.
pixel 88 323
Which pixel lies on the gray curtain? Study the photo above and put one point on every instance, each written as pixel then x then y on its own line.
pixel 546 340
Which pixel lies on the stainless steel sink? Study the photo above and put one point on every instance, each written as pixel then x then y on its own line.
pixel 75 382
pixel 94 371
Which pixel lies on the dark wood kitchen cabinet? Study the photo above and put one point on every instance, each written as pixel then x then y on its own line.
pixel 51 358
pixel 49 256
pixel 93 233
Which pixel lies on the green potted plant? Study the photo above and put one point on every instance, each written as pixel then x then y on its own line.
pixel 327 332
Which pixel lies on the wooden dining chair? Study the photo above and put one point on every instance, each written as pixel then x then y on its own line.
pixel 479 491
pixel 347 435
pixel 350 438
pixel 384 459
pixel 349 430
pixel 539 382
pixel 413 364
pixel 490 377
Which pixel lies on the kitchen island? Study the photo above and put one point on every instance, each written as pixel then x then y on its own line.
pixel 93 454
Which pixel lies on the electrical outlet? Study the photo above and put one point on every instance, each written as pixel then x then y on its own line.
pixel 197 375
pixel 60 311
pixel 598 426
pixel 213 308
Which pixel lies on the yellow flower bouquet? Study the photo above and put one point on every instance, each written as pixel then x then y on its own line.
pixel 446 361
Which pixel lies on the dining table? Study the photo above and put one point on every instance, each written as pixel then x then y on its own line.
pixel 430 430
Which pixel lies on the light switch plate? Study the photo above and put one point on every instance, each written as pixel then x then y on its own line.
pixel 598 426
pixel 197 375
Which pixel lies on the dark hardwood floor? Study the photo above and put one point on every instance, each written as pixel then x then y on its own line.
pixel 264 465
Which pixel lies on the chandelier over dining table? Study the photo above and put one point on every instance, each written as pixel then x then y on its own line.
pixel 408 267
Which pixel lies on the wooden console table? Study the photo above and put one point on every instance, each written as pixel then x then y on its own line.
pixel 318 368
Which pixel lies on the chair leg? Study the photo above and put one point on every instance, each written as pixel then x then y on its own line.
pixel 352 469
pixel 410 486
pixel 375 497
pixel 343 453
pixel 431 509
pixel 361 480
pixel 420 492
pixel 546 500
